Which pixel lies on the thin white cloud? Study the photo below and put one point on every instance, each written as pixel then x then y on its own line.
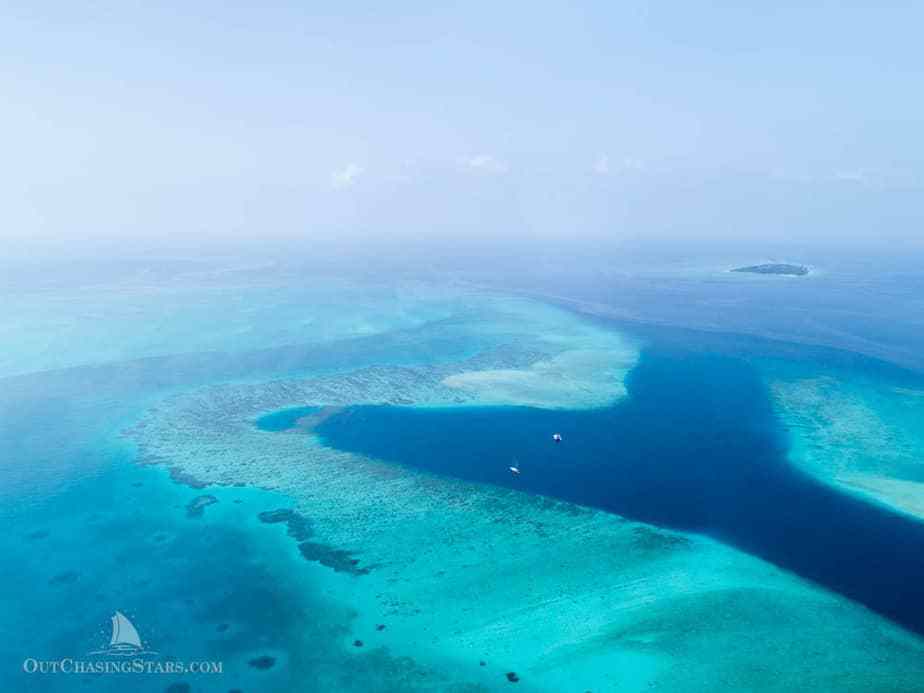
pixel 485 163
pixel 631 164
pixel 790 176
pixel 851 176
pixel 848 176
pixel 604 166
pixel 346 176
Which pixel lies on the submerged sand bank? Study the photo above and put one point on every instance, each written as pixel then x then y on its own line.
pixel 861 434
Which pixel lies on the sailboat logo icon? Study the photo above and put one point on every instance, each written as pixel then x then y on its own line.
pixel 125 640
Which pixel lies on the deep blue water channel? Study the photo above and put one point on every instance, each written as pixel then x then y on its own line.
pixel 695 446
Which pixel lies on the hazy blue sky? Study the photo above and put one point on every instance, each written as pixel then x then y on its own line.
pixel 189 122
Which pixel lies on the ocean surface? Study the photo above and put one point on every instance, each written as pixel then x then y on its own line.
pixel 235 566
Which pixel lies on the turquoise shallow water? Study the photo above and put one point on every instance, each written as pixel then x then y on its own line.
pixel 199 573
pixel 88 532
pixel 197 586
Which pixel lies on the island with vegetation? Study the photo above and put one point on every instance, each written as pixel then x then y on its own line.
pixel 775 268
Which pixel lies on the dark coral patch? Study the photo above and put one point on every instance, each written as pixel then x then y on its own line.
pixel 196 507
pixel 298 526
pixel 357 643
pixel 66 578
pixel 185 478
pixel 512 677
pixel 340 561
pixel 263 662
pixel 380 626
